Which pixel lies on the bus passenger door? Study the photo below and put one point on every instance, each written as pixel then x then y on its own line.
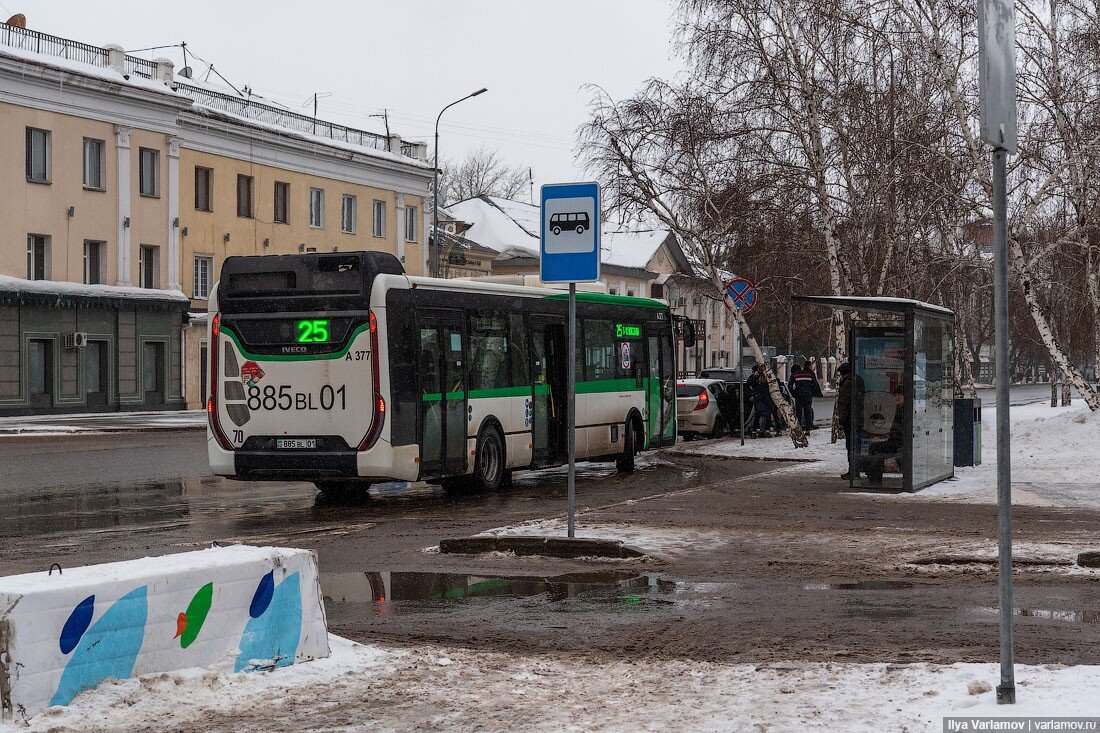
pixel 442 378
pixel 661 389
pixel 548 398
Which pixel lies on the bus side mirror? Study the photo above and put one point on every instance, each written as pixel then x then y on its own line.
pixel 689 334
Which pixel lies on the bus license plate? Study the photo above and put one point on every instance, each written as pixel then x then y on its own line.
pixel 296 443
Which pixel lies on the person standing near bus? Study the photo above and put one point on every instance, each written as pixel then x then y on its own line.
pixel 762 405
pixel 804 387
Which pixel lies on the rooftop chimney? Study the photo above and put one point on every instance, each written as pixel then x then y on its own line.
pixel 166 71
pixel 116 57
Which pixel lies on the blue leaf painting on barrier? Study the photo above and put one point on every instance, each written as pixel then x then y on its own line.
pixel 109 649
pixel 270 638
pixel 261 599
pixel 77 624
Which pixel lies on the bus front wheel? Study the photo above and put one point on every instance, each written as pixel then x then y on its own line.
pixel 489 460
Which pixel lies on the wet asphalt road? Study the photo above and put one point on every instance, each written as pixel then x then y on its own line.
pixel 761 567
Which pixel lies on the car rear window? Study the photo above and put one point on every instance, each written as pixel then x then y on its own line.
pixel 688 390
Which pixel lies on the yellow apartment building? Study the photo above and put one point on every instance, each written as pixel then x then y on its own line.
pixel 136 185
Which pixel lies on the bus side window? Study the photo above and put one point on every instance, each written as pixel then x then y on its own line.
pixel 599 348
pixel 517 351
pixel 429 361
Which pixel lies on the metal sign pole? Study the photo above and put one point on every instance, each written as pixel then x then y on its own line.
pixel 571 400
pixel 997 103
pixel 1006 691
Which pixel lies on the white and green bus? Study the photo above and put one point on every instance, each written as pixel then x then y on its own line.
pixel 341 370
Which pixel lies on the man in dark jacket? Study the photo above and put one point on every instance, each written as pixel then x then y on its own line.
pixel 849 413
pixel 804 387
pixel 762 405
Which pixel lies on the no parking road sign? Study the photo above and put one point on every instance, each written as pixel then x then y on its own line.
pixel 739 293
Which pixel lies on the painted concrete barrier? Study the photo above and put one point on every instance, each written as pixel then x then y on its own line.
pixel 235 608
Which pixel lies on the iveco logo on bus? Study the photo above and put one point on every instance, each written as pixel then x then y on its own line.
pixel 295 349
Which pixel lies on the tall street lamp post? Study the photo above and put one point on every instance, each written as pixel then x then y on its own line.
pixel 433 244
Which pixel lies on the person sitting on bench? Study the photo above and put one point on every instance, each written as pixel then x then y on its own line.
pixel 892 447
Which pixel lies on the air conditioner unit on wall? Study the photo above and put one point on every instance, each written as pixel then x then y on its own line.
pixel 76 340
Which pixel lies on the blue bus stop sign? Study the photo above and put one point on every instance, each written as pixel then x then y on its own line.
pixel 569 233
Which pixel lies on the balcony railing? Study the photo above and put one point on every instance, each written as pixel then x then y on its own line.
pixel 29 40
pixel 250 109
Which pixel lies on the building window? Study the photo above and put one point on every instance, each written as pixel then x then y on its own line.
pixel 348 214
pixel 630 293
pixel 149 266
pixel 244 197
pixel 38 257
pixel 148 172
pixel 204 266
pixel 93 164
pixel 41 367
pixel 316 208
pixel 93 262
pixel 410 223
pixel 202 188
pixel 282 193
pixel 38 155
pixel 378 218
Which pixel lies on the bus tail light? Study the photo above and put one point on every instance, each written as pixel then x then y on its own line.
pixel 379 415
pixel 704 400
pixel 212 378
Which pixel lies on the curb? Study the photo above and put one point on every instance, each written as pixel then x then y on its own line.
pixel 761 459
pixel 8 435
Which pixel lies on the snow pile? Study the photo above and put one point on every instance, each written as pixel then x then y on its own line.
pixel 428 687
pixel 819 451
pixel 661 543
pixel 56 287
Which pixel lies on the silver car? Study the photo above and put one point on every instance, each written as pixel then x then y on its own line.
pixel 697 410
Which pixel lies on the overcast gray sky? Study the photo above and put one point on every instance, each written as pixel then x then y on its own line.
pixel 410 56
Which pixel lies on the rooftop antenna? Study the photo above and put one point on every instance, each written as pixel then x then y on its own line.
pixel 314 98
pixel 386 118
pixel 531 180
pixel 186 71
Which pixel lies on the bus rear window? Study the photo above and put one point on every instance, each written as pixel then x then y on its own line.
pixel 261 283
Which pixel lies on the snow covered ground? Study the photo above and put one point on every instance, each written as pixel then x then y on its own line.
pixel 1054 460
pixel 102 422
pixel 438 688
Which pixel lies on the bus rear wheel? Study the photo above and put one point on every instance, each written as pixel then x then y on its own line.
pixel 343 492
pixel 625 462
pixel 489 460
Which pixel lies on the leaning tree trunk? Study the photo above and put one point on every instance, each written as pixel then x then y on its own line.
pixel 1053 384
pixel 1046 333
pixel 1066 391
pixel 798 435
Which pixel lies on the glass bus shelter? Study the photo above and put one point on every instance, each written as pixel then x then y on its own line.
pixel 902 358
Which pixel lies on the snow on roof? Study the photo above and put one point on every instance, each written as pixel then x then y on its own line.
pixel 861 302
pixel 512 228
pixel 631 248
pixel 57 287
pixel 104 73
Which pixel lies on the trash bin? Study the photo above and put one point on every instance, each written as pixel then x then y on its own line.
pixel 968 431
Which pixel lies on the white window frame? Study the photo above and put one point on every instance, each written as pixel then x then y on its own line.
pixel 47 144
pixel 92 144
pixel 349 213
pixel 411 229
pixel 203 292
pixel 317 208
pixel 143 252
pixel 378 218
pixel 45 256
pixel 102 247
pixel 155 156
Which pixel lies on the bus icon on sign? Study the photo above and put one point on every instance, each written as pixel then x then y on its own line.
pixel 577 221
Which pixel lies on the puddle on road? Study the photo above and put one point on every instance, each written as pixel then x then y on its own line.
pixel 383 588
pixel 862 585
